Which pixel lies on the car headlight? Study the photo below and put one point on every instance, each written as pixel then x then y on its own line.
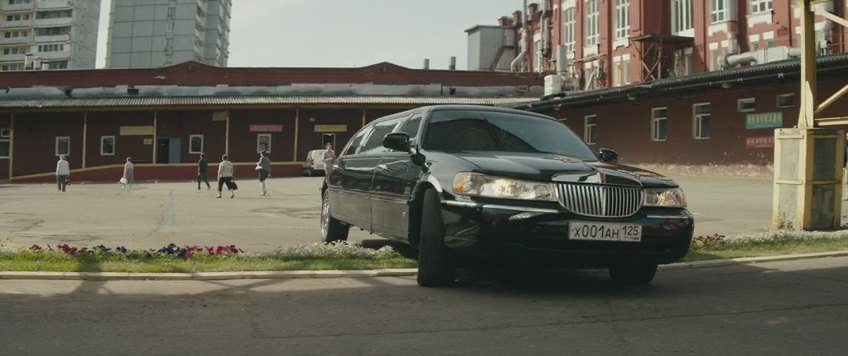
pixel 475 184
pixel 665 197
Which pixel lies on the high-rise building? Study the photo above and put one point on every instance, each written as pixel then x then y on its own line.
pixel 48 34
pixel 158 33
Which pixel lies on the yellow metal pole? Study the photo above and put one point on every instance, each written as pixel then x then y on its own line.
pixel 806 112
pixel 363 118
pixel 84 136
pixel 11 147
pixel 155 134
pixel 296 131
pixel 227 136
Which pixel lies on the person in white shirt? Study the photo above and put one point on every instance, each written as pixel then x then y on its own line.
pixel 225 176
pixel 128 178
pixel 63 170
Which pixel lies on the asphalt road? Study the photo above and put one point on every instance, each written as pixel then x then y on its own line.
pixel 153 215
pixel 777 308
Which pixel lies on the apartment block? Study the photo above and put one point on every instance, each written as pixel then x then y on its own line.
pixel 48 34
pixel 159 33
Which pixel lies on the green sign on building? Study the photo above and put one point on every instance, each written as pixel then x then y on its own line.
pixel 764 120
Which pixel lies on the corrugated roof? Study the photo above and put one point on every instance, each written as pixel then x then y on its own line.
pixel 148 102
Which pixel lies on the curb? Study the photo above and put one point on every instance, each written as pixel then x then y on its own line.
pixel 397 272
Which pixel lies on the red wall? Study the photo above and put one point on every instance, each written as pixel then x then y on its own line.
pixel 5 123
pixel 35 141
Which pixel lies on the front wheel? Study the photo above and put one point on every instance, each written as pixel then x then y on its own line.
pixel 633 273
pixel 332 230
pixel 435 267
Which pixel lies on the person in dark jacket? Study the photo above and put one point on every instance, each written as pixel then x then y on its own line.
pixel 264 169
pixel 203 172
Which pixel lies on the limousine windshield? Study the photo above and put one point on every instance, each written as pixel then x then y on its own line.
pixel 459 131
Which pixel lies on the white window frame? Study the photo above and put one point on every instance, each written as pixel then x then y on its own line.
pixel 259 140
pixel 655 122
pixel 102 141
pixel 56 149
pixel 5 133
pixel 202 142
pixel 719 11
pixel 740 105
pixel 681 16
pixel 592 27
pixel 622 19
pixel 590 130
pixel 568 22
pixel 760 6
pixel 697 119
pixel 787 95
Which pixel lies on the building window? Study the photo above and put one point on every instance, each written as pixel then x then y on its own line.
pixel 621 72
pixel 263 143
pixel 758 6
pixel 718 11
pixel 568 29
pixel 23 17
pixel 592 13
pixel 14 50
pixel 19 2
pixel 746 105
pixel 786 100
pixel 659 124
pixel 622 19
pixel 701 122
pixel 589 129
pixel 63 146
pixel 5 134
pixel 51 48
pixel 195 144
pixel 56 64
pixel 714 65
pixel 107 145
pixel 681 15
pixel 53 31
pixel 55 14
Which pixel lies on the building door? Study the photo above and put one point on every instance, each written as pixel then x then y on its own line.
pixel 168 150
pixel 328 138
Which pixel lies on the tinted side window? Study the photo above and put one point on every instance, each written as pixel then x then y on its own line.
pixel 374 143
pixel 411 126
pixel 355 141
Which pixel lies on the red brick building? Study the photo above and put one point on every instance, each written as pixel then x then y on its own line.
pixel 164 117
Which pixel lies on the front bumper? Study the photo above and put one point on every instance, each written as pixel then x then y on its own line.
pixel 543 231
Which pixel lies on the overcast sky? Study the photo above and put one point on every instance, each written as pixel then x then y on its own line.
pixel 350 33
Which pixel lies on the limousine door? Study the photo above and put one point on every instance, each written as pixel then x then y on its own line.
pixel 394 180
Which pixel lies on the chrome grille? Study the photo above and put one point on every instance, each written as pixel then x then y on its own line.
pixel 600 200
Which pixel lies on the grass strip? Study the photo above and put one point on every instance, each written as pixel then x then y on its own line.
pixel 768 244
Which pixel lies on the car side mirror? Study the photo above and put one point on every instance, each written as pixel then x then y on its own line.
pixel 397 141
pixel 608 155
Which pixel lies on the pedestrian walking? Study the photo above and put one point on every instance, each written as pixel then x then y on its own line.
pixel 225 176
pixel 264 169
pixel 203 172
pixel 128 178
pixel 329 157
pixel 63 171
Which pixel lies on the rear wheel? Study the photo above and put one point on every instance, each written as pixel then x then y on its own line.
pixel 332 230
pixel 633 273
pixel 435 267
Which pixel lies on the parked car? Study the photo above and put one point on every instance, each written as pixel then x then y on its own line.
pixel 460 182
pixel 314 163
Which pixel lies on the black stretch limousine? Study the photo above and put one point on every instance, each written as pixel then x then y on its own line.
pixel 459 182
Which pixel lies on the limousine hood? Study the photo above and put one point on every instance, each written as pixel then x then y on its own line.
pixel 551 167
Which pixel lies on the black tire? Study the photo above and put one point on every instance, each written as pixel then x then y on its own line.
pixel 633 273
pixel 332 230
pixel 435 268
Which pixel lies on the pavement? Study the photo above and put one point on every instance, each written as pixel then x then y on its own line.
pixel 155 214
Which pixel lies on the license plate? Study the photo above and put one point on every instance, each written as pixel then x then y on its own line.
pixel 579 230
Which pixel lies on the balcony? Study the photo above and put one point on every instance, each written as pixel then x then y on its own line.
pixel 16 24
pixel 11 57
pixel 53 38
pixel 14 40
pixel 6 7
pixel 53 22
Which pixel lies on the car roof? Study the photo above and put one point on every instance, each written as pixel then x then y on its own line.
pixel 430 108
